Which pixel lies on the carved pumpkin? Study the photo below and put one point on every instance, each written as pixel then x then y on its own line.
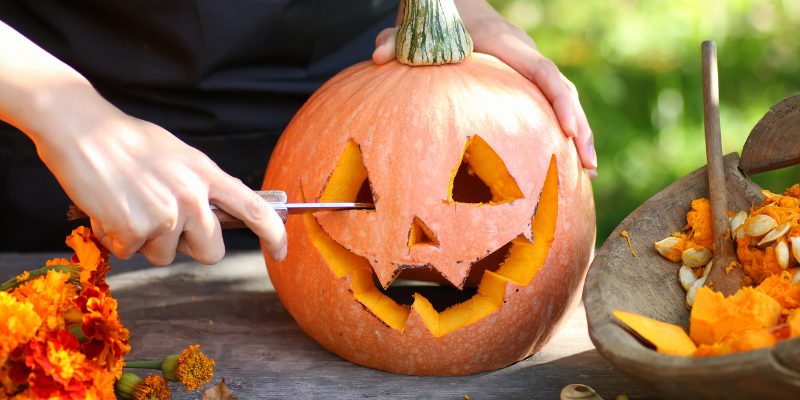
pixel 484 224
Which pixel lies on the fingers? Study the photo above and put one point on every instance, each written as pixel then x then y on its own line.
pixel 202 238
pixel 561 93
pixel 584 141
pixel 238 200
pixel 385 46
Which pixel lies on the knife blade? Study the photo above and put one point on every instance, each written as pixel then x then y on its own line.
pixel 277 199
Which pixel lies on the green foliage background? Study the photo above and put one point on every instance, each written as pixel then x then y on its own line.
pixel 637 67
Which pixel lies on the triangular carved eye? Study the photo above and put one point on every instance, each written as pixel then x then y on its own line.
pixel 420 235
pixel 349 181
pixel 482 176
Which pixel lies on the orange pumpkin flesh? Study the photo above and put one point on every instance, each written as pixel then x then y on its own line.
pixel 365 133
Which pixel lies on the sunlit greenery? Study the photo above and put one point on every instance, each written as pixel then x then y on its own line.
pixel 637 67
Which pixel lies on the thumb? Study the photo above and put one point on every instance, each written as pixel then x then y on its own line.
pixel 385 46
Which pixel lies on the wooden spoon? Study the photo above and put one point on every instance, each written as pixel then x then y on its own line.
pixel 720 279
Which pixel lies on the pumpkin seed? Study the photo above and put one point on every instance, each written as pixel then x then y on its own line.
pixel 696 258
pixel 774 234
pixel 759 225
pixel 736 222
pixel 795 272
pixel 692 290
pixel 707 269
pixel 686 276
pixel 782 253
pixel 795 247
pixel 579 392
pixel 669 247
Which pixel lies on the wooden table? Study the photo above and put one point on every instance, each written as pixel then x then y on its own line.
pixel 233 312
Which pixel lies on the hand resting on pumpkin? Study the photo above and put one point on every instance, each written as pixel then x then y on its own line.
pixel 492 34
pixel 144 189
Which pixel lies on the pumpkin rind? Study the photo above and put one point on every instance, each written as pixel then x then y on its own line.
pixel 410 142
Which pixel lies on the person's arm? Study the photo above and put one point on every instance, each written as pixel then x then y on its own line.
pixel 144 189
pixel 492 34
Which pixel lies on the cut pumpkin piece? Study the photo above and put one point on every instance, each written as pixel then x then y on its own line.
pixel 667 338
pixel 482 176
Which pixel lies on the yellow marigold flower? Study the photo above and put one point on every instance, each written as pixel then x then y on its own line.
pixel 51 297
pixel 18 324
pixel 153 387
pixel 192 368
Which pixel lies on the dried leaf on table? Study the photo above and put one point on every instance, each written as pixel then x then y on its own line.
pixel 219 392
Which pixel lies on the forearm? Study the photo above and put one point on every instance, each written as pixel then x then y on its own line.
pixel 39 94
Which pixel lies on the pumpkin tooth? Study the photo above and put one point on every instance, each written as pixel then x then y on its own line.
pixel 759 225
pixel 774 234
pixel 696 258
pixel 686 276
pixel 782 253
pixel 690 294
pixel 737 221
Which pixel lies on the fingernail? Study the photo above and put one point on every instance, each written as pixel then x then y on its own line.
pixel 282 253
pixel 381 44
pixel 592 174
pixel 592 156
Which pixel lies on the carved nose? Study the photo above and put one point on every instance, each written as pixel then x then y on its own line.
pixel 421 235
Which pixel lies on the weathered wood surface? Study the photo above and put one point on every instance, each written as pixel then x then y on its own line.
pixel 232 311
pixel 648 285
pixel 774 142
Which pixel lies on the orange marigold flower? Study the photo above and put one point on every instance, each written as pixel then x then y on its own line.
pixel 53 367
pixel 193 368
pixel 92 258
pixel 153 387
pixel 102 385
pixel 18 324
pixel 24 276
pixel 51 297
pixel 107 338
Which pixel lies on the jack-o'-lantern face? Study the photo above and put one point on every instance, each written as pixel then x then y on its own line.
pixel 482 232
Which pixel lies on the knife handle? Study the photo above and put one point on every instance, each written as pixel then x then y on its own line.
pixel 274 197
pixel 226 221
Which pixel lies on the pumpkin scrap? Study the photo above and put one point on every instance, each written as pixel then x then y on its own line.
pixel 625 235
pixel 668 338
pixel 714 316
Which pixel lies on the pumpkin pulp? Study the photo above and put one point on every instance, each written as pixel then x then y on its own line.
pixel 522 261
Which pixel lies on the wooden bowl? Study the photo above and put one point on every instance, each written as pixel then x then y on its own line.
pixel 648 285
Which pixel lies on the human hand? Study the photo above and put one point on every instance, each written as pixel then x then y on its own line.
pixel 147 191
pixel 492 34
pixel 144 189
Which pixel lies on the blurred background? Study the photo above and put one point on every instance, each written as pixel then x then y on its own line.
pixel 637 67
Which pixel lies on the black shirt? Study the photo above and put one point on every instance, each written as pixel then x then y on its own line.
pixel 225 76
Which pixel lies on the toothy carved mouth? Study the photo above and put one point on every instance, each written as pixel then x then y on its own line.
pixel 522 262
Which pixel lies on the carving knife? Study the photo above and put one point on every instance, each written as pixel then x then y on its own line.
pixel 277 200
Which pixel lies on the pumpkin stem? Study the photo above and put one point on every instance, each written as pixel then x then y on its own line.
pixel 432 33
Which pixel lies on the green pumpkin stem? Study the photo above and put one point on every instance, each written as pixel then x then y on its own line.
pixel 431 33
